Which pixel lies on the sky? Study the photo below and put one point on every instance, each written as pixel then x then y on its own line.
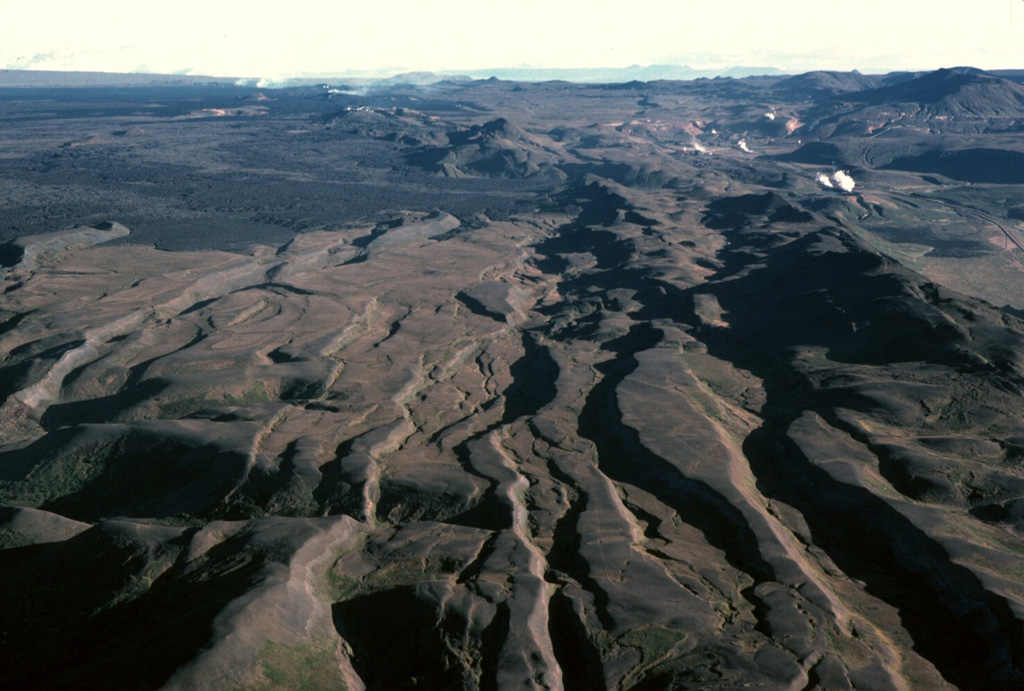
pixel 255 38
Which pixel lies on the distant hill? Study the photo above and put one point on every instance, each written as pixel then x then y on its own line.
pixel 494 149
pixel 422 79
pixel 961 99
pixel 819 83
pixel 952 92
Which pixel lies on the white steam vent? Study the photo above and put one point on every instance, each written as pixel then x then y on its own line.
pixel 843 181
pixel 840 179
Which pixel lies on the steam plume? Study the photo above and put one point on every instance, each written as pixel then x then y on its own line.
pixel 840 179
pixel 843 180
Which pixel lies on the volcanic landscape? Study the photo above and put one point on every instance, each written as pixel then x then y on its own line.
pixel 714 384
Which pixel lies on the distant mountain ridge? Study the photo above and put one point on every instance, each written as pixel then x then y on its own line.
pixel 643 73
pixel 960 99
pixel 823 82
pixel 9 77
pixel 955 91
pixel 815 82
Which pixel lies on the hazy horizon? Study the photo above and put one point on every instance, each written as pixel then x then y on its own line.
pixel 232 39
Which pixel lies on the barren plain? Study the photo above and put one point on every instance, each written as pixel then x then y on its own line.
pixel 491 385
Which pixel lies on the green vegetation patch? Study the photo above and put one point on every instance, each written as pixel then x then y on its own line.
pixel 175 409
pixel 61 475
pixel 907 253
pixel 394 574
pixel 307 667
pixel 653 643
